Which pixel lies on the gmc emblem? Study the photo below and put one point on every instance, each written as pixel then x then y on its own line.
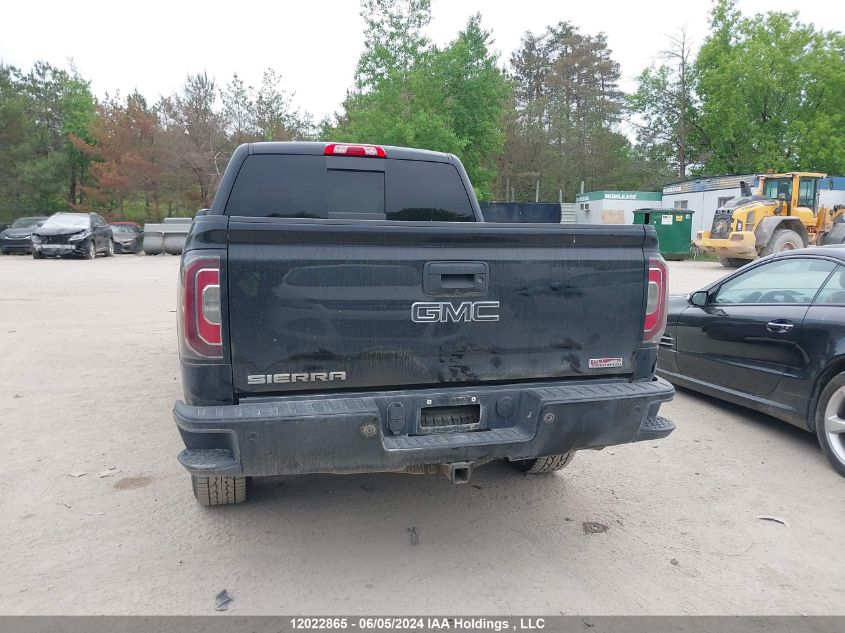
pixel 443 312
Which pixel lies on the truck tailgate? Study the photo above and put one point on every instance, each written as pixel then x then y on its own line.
pixel 326 304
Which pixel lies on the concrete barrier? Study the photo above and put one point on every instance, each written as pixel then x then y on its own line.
pixel 174 243
pixel 153 243
pixel 167 237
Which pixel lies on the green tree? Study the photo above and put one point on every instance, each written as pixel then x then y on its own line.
pixel 567 109
pixel 411 93
pixel 475 94
pixel 273 117
pixel 237 110
pixel 664 109
pixel 42 176
pixel 79 113
pixel 393 40
pixel 265 114
pixel 389 104
pixel 771 90
pixel 40 112
pixel 16 134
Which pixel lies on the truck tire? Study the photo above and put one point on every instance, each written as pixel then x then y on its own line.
pixel 733 262
pixel 782 240
pixel 829 422
pixel 218 491
pixel 542 465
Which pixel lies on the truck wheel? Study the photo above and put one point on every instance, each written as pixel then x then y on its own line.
pixel 542 465
pixel 733 262
pixel 830 422
pixel 782 240
pixel 218 491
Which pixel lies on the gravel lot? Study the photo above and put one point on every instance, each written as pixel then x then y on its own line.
pixel 88 376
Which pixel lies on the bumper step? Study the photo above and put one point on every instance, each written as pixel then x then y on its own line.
pixel 208 460
pixel 655 428
pixel 476 438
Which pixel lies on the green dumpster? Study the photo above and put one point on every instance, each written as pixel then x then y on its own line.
pixel 674 230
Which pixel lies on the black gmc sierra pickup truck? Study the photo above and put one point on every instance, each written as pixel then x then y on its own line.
pixel 344 309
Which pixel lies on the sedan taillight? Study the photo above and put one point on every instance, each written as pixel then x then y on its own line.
pixel 202 327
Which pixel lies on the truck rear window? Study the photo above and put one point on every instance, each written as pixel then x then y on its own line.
pixel 296 186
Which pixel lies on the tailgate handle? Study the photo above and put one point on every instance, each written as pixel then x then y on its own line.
pixel 458 280
pixel 455 278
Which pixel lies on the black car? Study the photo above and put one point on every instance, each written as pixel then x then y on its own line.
pixel 18 237
pixel 128 237
pixel 80 234
pixel 771 337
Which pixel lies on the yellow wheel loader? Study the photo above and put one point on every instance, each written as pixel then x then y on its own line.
pixel 782 215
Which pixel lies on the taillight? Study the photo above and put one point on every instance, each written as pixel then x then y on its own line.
pixel 347 149
pixel 655 310
pixel 202 326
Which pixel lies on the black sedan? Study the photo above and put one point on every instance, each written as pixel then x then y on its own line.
pixel 128 237
pixel 80 234
pixel 18 237
pixel 770 336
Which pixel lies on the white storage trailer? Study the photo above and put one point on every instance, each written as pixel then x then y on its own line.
pixel 612 207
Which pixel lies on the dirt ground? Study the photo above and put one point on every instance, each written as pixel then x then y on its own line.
pixel 88 376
